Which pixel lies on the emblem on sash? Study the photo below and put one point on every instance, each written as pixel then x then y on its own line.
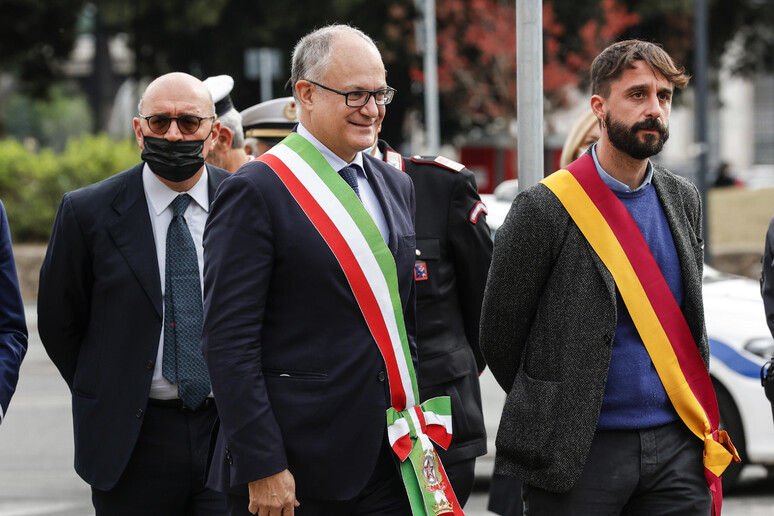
pixel 434 484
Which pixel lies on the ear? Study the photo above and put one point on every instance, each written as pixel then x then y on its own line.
pixel 304 90
pixel 217 130
pixel 225 139
pixel 599 107
pixel 138 132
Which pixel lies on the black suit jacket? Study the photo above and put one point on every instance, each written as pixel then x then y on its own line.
pixel 297 377
pixel 100 315
pixel 454 249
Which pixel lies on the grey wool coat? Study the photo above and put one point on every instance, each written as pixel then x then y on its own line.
pixel 548 322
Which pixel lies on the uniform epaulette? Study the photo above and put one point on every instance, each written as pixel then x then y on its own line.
pixel 395 159
pixel 440 161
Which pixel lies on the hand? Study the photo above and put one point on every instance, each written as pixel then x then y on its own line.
pixel 274 495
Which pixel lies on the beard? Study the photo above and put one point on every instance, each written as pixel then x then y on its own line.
pixel 627 139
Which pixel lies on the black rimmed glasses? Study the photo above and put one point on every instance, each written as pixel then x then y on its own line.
pixel 187 124
pixel 359 98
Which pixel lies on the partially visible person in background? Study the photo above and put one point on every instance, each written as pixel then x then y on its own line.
pixel 13 328
pixel 267 123
pixel 229 151
pixel 767 292
pixel 723 176
pixel 583 134
pixel 452 261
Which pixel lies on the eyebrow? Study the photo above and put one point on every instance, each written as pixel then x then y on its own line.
pixel 647 87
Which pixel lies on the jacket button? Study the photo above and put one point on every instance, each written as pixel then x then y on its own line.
pixel 419 253
pixel 139 413
pixel 380 376
pixel 229 459
pixel 149 365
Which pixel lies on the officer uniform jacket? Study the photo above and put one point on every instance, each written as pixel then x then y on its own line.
pixel 548 322
pixel 454 249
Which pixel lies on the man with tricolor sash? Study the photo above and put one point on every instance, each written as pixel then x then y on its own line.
pixel 593 320
pixel 309 332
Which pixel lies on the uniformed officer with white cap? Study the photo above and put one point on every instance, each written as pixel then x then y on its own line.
pixel 229 151
pixel 267 123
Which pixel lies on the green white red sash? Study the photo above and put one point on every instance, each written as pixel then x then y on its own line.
pixel 614 235
pixel 338 215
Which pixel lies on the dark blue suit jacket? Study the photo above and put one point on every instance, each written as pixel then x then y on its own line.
pixel 100 315
pixel 13 329
pixel 298 379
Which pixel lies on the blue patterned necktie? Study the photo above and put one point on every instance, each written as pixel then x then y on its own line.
pixel 183 361
pixel 349 174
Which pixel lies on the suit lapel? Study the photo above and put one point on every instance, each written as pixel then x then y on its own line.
pixel 672 204
pixel 215 176
pixel 132 233
pixel 376 180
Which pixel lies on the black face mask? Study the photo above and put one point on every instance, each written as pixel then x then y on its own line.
pixel 174 161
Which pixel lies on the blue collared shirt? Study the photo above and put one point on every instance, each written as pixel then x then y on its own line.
pixel 613 183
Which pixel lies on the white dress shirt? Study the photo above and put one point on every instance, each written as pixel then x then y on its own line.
pixel 367 195
pixel 160 197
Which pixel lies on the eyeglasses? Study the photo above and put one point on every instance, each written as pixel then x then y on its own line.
pixel 359 98
pixel 188 124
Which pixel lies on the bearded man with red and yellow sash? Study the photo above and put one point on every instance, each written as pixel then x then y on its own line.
pixel 593 320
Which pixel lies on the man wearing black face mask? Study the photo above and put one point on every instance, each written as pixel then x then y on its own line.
pixel 120 314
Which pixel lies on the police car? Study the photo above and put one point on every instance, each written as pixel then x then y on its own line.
pixel 740 343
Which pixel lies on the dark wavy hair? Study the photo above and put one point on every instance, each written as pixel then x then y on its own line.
pixel 611 63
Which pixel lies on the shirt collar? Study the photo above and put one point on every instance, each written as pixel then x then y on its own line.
pixel 336 162
pixel 161 196
pixel 613 183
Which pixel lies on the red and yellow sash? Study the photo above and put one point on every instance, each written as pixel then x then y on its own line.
pixel 342 221
pixel 615 237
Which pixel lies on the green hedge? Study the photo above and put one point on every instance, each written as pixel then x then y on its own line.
pixel 32 182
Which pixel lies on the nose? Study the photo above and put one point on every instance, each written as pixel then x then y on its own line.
pixel 370 108
pixel 653 106
pixel 173 133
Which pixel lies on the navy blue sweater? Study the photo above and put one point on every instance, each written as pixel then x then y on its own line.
pixel 634 396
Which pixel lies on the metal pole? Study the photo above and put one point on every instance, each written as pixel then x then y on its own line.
pixel 700 78
pixel 529 83
pixel 266 77
pixel 432 118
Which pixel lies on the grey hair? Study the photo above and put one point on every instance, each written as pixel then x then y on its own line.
pixel 311 56
pixel 233 120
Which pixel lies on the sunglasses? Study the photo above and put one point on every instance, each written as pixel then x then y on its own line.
pixel 187 124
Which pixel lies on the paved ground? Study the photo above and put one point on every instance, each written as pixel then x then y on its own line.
pixel 36 450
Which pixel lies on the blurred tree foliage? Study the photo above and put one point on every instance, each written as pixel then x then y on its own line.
pixel 32 182
pixel 51 122
pixel 35 35
pixel 209 37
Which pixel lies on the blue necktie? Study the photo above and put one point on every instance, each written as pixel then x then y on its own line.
pixel 349 174
pixel 183 361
